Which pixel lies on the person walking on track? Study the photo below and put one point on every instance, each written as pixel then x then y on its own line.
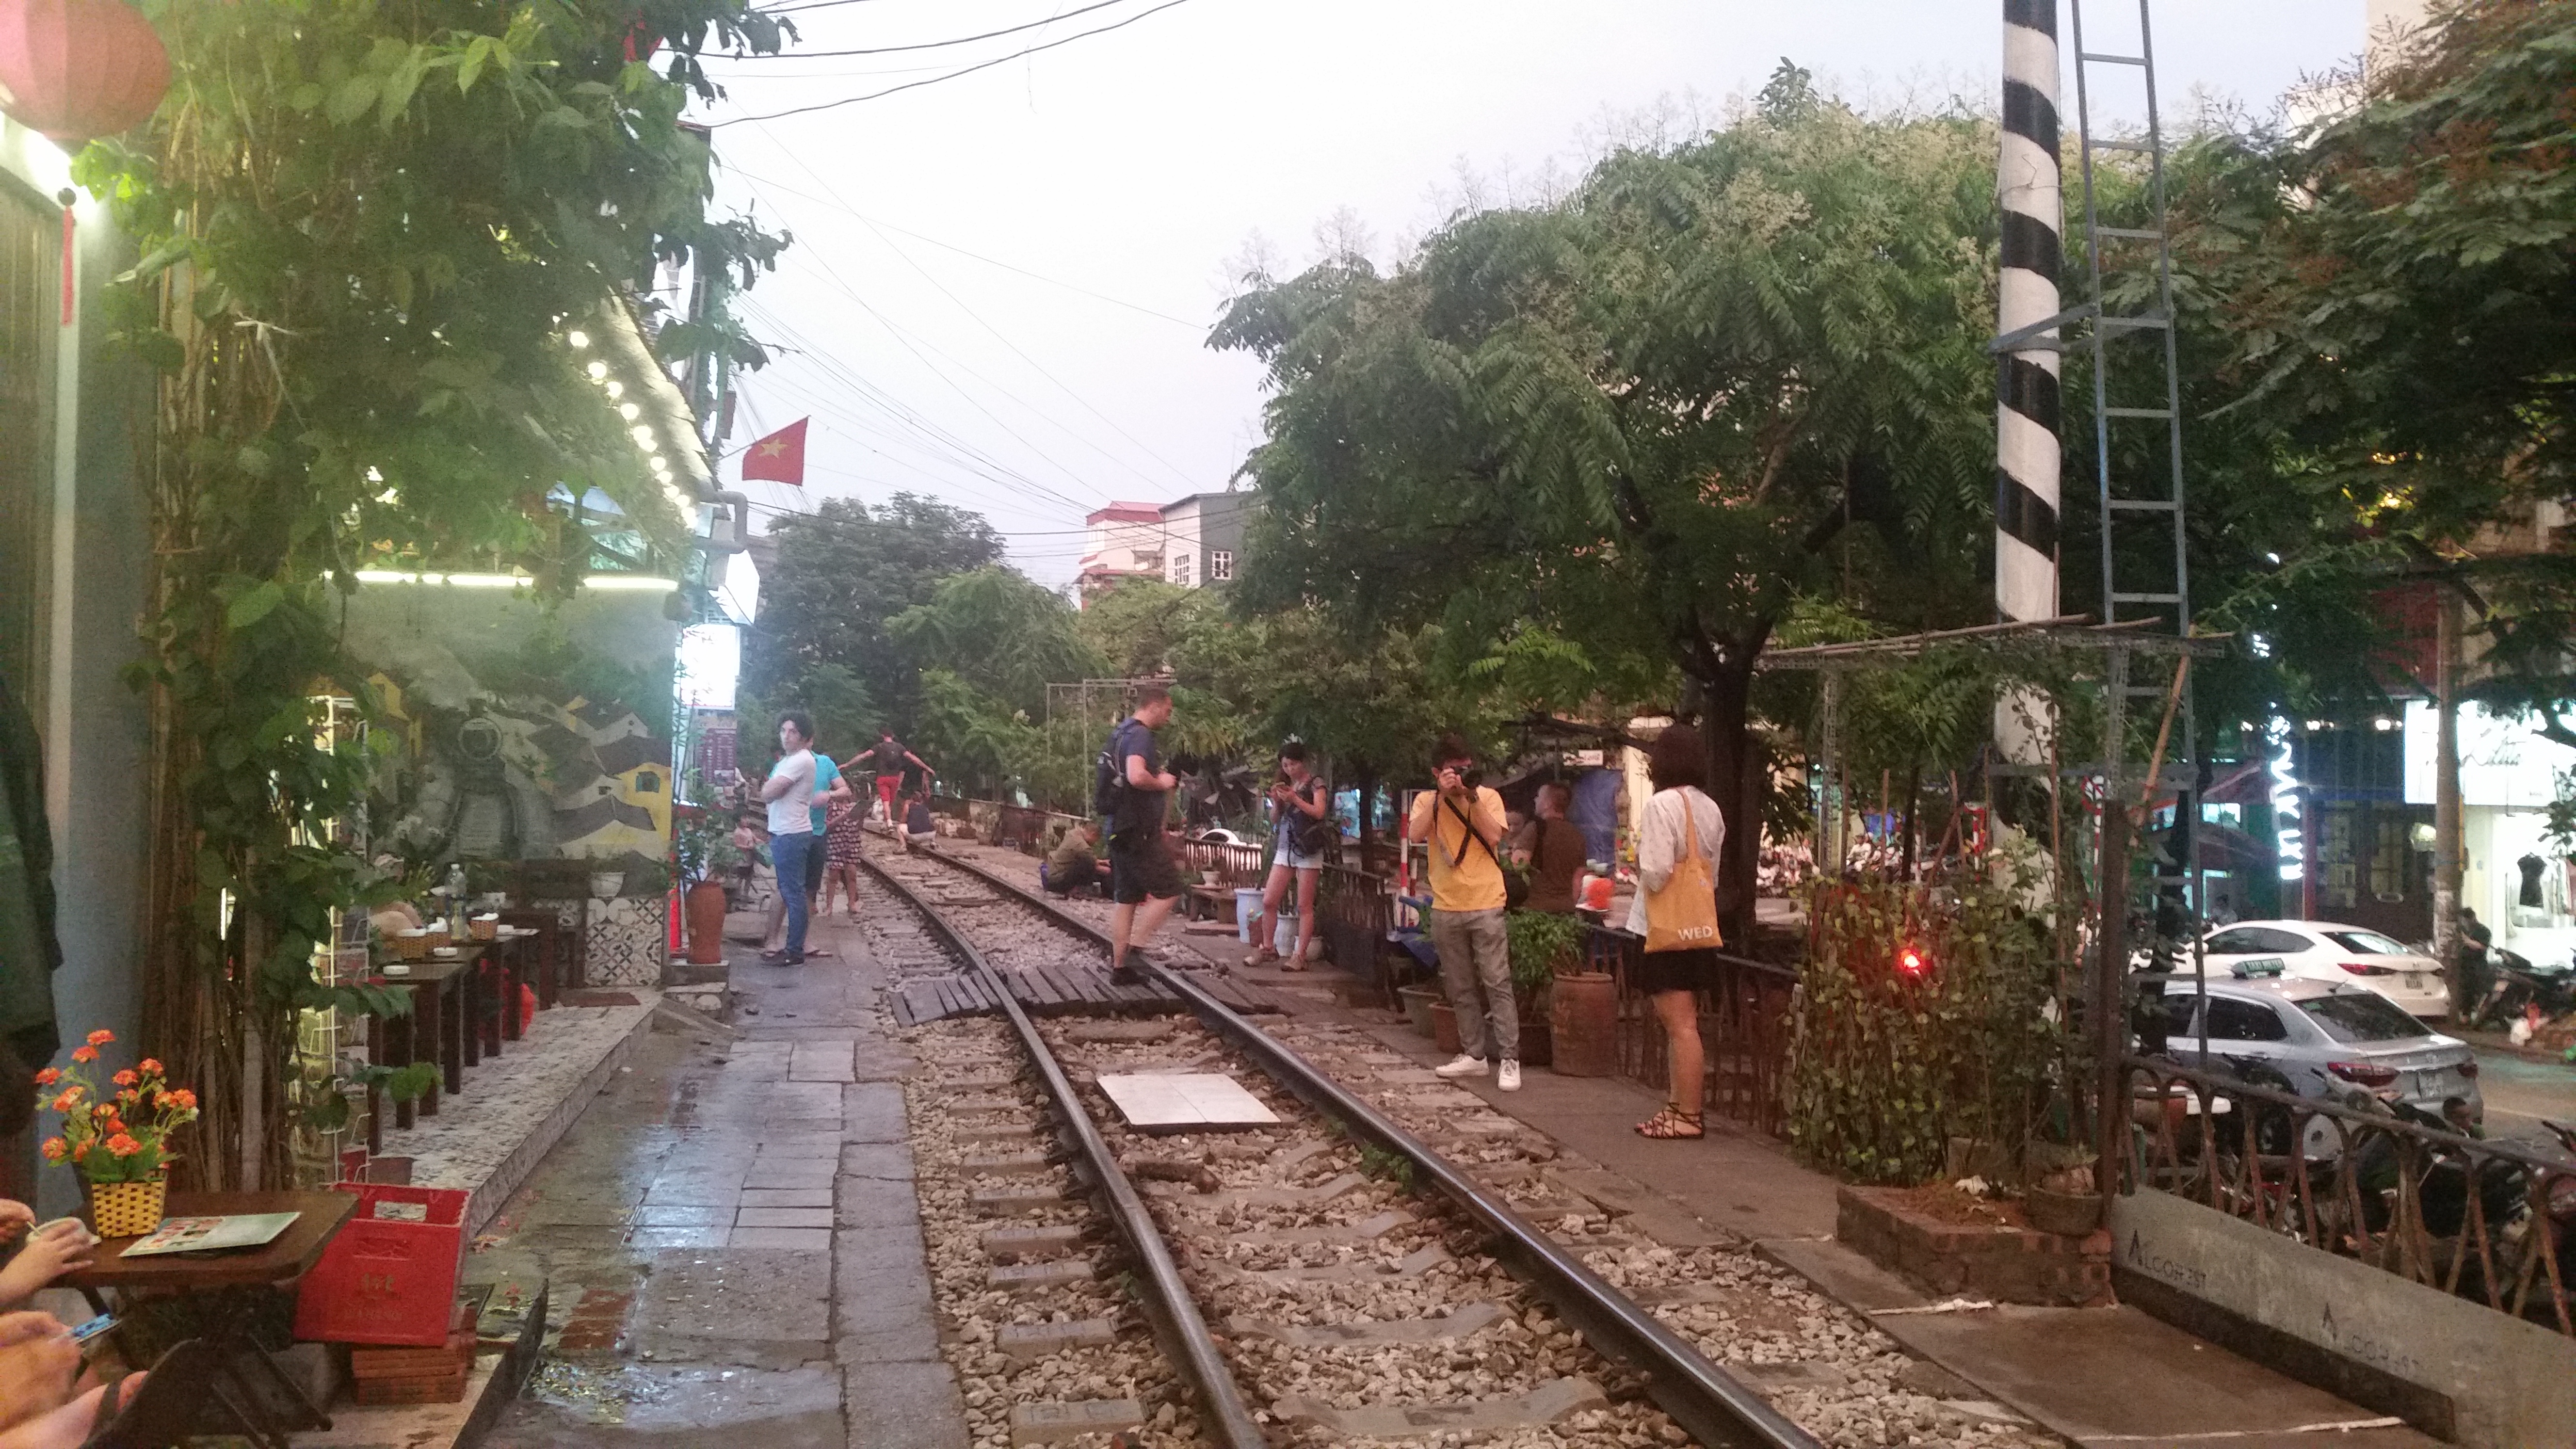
pixel 889 759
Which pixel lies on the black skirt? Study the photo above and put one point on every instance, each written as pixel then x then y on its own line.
pixel 1691 970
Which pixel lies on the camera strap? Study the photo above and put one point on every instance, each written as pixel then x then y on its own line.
pixel 1472 834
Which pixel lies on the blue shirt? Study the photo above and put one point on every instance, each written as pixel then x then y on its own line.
pixel 825 772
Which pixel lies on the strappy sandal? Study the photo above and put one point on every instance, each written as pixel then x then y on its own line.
pixel 1672 1125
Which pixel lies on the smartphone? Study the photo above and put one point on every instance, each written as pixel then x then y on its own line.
pixel 94 1328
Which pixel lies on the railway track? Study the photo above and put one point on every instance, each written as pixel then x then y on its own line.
pixel 1371 1269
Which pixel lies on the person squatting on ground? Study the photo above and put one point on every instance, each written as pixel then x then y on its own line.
pixel 1071 868
pixel 1551 846
pixel 1680 836
pixel 830 788
pixel 919 830
pixel 1143 880
pixel 1462 820
pixel 1300 831
pixel 789 790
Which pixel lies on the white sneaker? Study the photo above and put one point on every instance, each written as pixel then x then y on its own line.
pixel 1508 1076
pixel 1462 1065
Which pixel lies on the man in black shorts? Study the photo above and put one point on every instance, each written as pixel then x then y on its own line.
pixel 1141 872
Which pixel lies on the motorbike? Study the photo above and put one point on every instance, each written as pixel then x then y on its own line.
pixel 2515 984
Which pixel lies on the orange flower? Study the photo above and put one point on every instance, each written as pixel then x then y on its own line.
pixel 149 1066
pixel 186 1098
pixel 49 1076
pixel 80 1149
pixel 56 1149
pixel 163 1099
pixel 68 1100
pixel 101 1037
pixel 123 1145
pixel 112 1125
pixel 85 1054
pixel 125 1078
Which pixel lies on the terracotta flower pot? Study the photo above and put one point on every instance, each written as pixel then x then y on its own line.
pixel 1583 1020
pixel 1444 1026
pixel 125 1209
pixel 705 905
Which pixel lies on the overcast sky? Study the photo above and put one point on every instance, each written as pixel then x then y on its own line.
pixel 1001 283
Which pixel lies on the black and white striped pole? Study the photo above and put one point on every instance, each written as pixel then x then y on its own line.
pixel 2028 186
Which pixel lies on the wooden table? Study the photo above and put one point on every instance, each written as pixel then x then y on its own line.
pixel 289 1255
pixel 442 1001
pixel 279 1261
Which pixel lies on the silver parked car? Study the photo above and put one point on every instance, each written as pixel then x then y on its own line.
pixel 2328 1039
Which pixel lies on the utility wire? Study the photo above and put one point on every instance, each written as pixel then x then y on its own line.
pixel 927 44
pixel 963 252
pixel 954 74
pixel 1040 368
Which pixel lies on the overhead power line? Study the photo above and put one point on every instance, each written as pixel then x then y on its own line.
pixel 954 74
pixel 928 44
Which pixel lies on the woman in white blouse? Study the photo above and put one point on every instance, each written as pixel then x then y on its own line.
pixel 1679 817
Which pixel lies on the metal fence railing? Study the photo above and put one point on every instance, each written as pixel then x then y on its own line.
pixel 1744 1029
pixel 2493 1222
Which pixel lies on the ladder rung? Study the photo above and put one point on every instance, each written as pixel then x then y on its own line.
pixel 2137 412
pixel 2119 598
pixel 2142 505
pixel 2147 322
pixel 2107 144
pixel 2129 232
pixel 2098 58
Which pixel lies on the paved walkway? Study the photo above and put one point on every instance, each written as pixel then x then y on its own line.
pixel 731 1237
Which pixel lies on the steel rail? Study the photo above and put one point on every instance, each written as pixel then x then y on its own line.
pixel 1183 1330
pixel 1708 1402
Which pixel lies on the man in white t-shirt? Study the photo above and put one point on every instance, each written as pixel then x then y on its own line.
pixel 790 793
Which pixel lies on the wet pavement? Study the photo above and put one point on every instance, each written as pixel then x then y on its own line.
pixel 731 1240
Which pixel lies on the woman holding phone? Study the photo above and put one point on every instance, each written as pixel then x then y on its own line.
pixel 1301 831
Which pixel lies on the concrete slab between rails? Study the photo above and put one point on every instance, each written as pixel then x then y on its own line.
pixel 2099 1376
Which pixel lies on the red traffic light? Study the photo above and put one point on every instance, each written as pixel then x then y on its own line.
pixel 1912 963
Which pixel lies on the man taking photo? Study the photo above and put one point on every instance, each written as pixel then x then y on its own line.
pixel 1141 872
pixel 1463 822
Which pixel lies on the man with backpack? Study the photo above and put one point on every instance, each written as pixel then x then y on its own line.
pixel 1132 790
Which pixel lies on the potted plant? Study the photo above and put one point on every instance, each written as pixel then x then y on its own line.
pixel 1538 945
pixel 118 1143
pixel 703 845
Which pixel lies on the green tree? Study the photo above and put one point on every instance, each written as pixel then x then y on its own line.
pixel 367 233
pixel 2405 324
pixel 840 574
pixel 1634 421
pixel 999 632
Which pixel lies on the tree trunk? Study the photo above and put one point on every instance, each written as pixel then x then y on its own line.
pixel 1734 780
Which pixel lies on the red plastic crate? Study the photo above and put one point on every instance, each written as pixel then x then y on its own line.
pixel 387 1280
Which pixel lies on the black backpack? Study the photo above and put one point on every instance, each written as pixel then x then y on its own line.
pixel 1109 779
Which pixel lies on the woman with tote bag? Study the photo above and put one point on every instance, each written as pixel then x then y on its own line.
pixel 1678 841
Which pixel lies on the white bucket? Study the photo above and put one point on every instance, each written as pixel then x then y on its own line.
pixel 1283 939
pixel 1247 904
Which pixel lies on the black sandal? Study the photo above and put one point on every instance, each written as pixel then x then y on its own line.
pixel 1673 1125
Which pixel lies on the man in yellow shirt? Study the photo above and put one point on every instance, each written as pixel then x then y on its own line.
pixel 1463 823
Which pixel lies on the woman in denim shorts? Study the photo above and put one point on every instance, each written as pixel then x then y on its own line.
pixel 1298 799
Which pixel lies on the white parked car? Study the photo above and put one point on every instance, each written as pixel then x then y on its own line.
pixel 2325 951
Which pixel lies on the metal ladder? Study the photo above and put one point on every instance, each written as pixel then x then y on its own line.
pixel 2132 506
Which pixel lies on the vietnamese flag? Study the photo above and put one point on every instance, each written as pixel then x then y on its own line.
pixel 778 458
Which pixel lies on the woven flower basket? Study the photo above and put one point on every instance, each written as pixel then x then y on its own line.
pixel 126 1209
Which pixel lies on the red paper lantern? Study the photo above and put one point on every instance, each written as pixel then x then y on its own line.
pixel 75 69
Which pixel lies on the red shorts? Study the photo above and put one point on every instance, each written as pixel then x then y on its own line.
pixel 888 786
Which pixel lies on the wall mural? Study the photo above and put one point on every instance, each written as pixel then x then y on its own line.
pixel 534 746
